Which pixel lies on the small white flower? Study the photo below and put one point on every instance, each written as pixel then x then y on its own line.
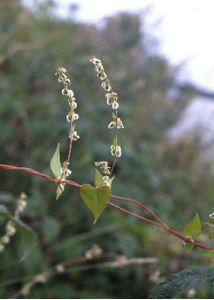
pixel 118 123
pixel 60 71
pixel 111 97
pixel 68 118
pixel 67 81
pixel 105 178
pixel 106 85
pixel 115 105
pixel 73 104
pixel 10 228
pixel 74 136
pixel 211 216
pixel 64 92
pixel 5 239
pixel 111 125
pixel 70 93
pixel 60 268
pixel 67 172
pixel 72 117
pixel 95 60
pixel 101 163
pixel 23 196
pixel 115 150
pixel 75 116
pixel 20 206
pixel 103 166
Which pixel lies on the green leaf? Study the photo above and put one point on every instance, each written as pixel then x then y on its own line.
pixel 193 229
pixel 55 163
pixel 28 238
pixel 60 190
pixel 95 198
pixel 98 178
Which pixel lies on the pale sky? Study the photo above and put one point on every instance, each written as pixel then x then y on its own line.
pixel 185 31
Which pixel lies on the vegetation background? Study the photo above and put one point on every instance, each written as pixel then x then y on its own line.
pixel 170 178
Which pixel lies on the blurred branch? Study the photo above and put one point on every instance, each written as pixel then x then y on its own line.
pixel 120 261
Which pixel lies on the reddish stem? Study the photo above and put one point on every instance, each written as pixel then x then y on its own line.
pixel 173 232
pixel 160 223
pixel 141 205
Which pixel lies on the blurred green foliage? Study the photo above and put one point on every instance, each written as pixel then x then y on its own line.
pixel 170 178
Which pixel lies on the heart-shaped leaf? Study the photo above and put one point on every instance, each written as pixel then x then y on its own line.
pixel 96 198
pixel 193 229
pixel 55 163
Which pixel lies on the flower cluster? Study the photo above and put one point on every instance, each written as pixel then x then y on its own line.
pixel 112 100
pixel 95 251
pixel 104 167
pixel 72 115
pixel 116 122
pixel 116 150
pixel 10 227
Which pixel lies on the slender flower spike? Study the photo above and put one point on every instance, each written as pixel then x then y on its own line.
pixel 71 117
pixel 116 123
pixel 66 91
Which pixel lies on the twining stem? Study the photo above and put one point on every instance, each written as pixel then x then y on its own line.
pixel 159 222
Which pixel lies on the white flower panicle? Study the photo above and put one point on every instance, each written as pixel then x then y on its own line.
pixel 71 117
pixel 66 91
pixel 10 227
pixel 112 100
pixel 111 96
